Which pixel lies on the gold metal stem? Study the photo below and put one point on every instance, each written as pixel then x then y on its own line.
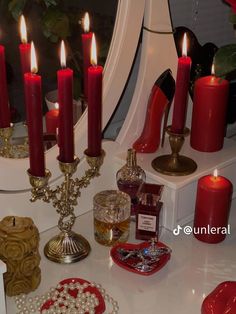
pixel 175 164
pixel 67 247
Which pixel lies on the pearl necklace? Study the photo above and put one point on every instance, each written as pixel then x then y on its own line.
pixel 63 302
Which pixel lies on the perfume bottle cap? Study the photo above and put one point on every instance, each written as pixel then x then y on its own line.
pixel 131 158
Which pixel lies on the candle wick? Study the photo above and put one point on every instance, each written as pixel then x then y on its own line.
pixel 34 71
pixel 14 221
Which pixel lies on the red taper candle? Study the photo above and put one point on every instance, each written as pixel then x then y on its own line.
pixel 33 99
pixel 86 47
pixel 24 48
pixel 65 99
pixel 5 116
pixel 212 208
pixel 181 90
pixel 94 104
pixel 209 113
pixel 52 120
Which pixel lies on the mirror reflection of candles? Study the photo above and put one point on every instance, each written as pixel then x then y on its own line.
pixel 60 20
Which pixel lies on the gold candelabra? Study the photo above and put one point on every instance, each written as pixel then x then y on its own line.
pixel 9 149
pixel 175 164
pixel 68 246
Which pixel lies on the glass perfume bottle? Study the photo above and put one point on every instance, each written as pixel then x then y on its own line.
pixel 147 217
pixel 130 177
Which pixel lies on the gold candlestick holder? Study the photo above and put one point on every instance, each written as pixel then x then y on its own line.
pixel 175 164
pixel 9 149
pixel 67 246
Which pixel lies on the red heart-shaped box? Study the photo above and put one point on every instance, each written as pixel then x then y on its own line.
pixel 130 246
pixel 98 310
pixel 222 300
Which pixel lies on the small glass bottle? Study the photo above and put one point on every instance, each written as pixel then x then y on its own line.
pixel 130 177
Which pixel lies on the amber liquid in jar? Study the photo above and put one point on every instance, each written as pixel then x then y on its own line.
pixel 111 214
pixel 111 233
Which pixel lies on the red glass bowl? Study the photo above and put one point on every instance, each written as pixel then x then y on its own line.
pixel 222 300
pixel 98 310
pixel 129 246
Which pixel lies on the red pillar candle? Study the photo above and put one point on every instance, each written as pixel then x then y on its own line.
pixel 33 99
pixel 65 99
pixel 52 120
pixel 4 105
pixel 209 113
pixel 212 208
pixel 94 104
pixel 181 90
pixel 86 46
pixel 24 48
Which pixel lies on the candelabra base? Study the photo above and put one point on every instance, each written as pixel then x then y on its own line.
pixel 172 166
pixel 67 248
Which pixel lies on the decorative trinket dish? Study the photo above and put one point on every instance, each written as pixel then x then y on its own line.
pixel 143 258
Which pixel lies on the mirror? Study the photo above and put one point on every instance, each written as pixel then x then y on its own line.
pixel 119 60
pixel 206 35
pixel 47 23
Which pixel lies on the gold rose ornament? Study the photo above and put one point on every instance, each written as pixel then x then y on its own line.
pixel 19 249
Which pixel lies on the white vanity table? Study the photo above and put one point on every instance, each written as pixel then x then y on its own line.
pixel 195 268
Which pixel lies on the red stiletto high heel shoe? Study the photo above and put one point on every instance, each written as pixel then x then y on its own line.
pixel 159 103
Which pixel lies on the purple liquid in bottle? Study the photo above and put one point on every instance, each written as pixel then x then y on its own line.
pixel 131 188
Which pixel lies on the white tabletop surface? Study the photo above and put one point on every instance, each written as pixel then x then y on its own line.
pixel 194 270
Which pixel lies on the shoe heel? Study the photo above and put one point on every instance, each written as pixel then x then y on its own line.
pixel 166 115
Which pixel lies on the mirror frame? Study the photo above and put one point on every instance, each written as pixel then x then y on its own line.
pixel 119 61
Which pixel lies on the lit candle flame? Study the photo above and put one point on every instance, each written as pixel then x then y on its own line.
pixel 23 31
pixel 184 47
pixel 86 22
pixel 63 54
pixel 215 173
pixel 213 69
pixel 93 52
pixel 34 67
pixel 56 105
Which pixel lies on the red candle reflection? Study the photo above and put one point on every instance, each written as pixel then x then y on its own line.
pixel 4 105
pixel 52 120
pixel 86 46
pixel 24 48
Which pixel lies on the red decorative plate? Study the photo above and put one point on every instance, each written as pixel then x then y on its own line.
pixel 98 310
pixel 127 263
